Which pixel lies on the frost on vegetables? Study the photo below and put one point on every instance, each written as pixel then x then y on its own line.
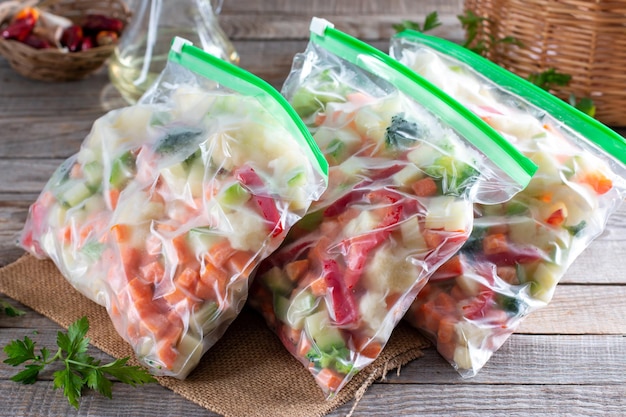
pixel 167 209
pixel 399 203
pixel 520 249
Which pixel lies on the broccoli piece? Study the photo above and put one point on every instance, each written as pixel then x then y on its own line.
pixel 455 176
pixel 402 134
pixel 178 139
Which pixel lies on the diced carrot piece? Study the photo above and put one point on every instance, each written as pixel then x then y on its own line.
pixel 319 287
pixel 495 243
pixel 297 269
pixel 329 379
pixel 219 253
pixel 320 118
pixel 359 98
pixel 131 259
pixel 457 293
pixel 188 280
pixel 153 321
pixel 545 197
pixel 66 234
pixel 76 171
pixel 428 317
pixel 424 187
pixel 372 349
pixel 446 331
pixel 167 354
pixel 600 183
pixel 114 197
pixel 294 335
pixel 183 249
pixel 445 303
pixel 152 272
pixel 139 291
pixel 121 233
pixel 557 218
pixel 319 251
pixel 451 268
pixel 304 346
pixel 508 273
pixel 433 238
pixel 214 280
pixel 239 262
pixel 175 297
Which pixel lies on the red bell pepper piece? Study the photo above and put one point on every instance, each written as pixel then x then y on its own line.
pixel 94 23
pixel 479 306
pixel 37 42
pixel 358 248
pixel 342 298
pixel 249 178
pixel 72 38
pixel 19 30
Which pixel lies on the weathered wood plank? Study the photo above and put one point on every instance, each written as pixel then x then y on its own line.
pixel 26 175
pixel 530 359
pixel 490 400
pixel 40 399
pixel 368 28
pixel 580 309
pixel 339 7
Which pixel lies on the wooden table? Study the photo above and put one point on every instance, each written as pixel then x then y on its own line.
pixel 568 359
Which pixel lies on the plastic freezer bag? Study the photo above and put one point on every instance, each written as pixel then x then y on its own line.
pixel 170 204
pixel 520 249
pixel 399 203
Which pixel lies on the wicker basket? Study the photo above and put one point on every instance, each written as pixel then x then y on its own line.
pixel 54 64
pixel 584 38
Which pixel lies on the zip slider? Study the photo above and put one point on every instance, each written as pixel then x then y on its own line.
pixel 319 25
pixel 178 43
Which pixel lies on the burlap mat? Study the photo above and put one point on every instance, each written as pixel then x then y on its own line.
pixel 247 373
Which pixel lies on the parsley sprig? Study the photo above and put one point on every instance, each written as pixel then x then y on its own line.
pixel 430 22
pixel 79 369
pixel 9 310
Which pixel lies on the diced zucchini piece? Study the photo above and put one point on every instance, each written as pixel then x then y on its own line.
pixel 122 169
pixel 75 194
pixel 235 195
pixel 545 279
pixel 202 239
pixel 277 281
pixel 300 306
pixel 281 306
pixel 93 173
pixel 322 332
pixel 196 178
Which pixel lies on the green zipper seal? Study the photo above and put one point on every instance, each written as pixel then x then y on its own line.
pixel 590 128
pixel 470 126
pixel 237 79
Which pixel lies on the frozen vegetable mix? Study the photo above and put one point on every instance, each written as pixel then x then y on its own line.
pixel 170 205
pixel 403 175
pixel 519 249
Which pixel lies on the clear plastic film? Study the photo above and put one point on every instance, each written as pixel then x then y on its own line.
pixel 170 204
pixel 520 249
pixel 399 204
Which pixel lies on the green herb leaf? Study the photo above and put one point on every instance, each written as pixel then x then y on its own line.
pixel 9 310
pixel 80 369
pixel 28 375
pixel 585 105
pixel 20 351
pixel 132 375
pixel 430 22
pixel 549 79
pixel 71 383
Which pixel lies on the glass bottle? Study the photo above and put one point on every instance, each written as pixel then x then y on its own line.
pixel 143 48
